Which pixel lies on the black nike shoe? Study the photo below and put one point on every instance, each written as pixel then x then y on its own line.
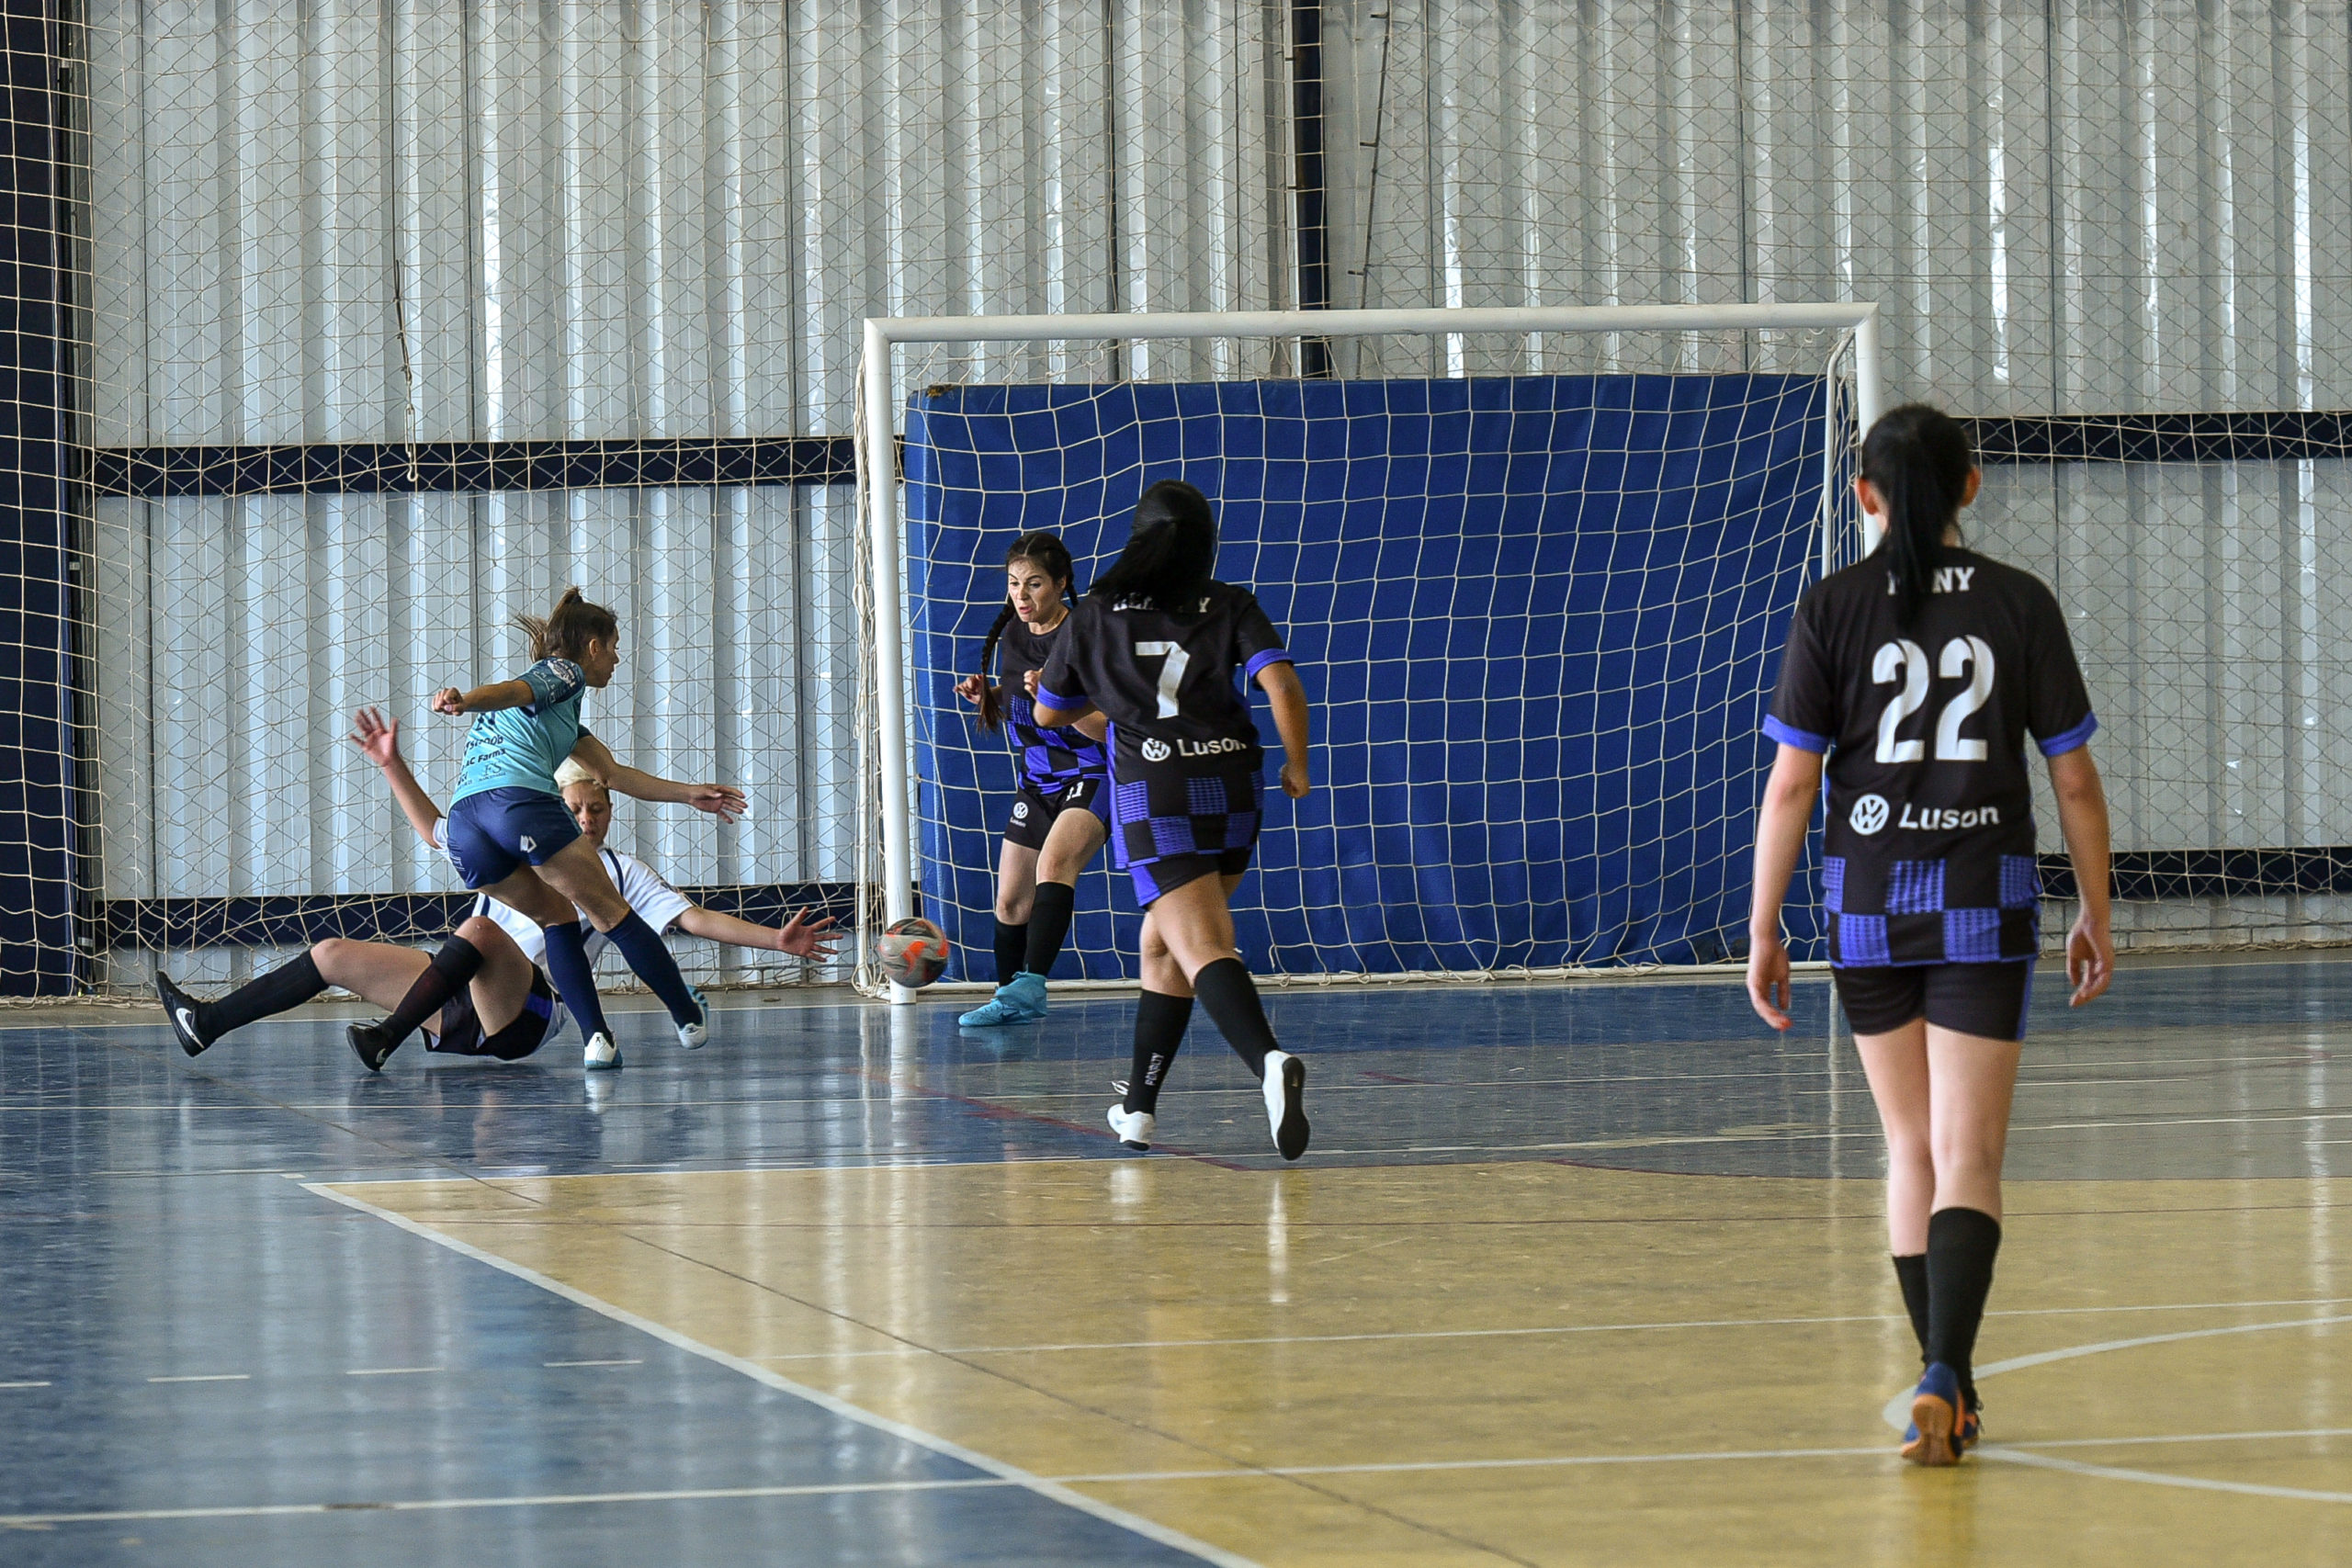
pixel 180 1012
pixel 372 1043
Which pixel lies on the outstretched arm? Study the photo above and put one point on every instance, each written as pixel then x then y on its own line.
pixel 722 801
pixel 1779 839
pixel 484 699
pixel 1288 699
pixel 798 935
pixel 379 739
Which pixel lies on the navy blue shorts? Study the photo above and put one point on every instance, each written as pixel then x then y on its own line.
pixel 1034 811
pixel 1170 829
pixel 461 1033
pixel 492 833
pixel 1988 1000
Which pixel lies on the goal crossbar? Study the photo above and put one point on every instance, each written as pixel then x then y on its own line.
pixel 877 431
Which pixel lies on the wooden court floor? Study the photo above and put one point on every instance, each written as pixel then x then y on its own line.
pixel 1531 1361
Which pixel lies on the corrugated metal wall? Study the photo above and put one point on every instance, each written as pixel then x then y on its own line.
pixel 358 220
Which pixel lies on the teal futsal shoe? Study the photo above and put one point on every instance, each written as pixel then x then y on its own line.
pixel 1021 999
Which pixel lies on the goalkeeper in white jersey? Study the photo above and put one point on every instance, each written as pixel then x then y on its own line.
pixel 498 999
pixel 1919 674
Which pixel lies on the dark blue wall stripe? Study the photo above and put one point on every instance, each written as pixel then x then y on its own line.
pixel 183 923
pixel 40 717
pixel 2213 874
pixel 446 466
pixel 2268 437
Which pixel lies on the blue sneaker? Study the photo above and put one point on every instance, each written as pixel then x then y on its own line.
pixel 1021 999
pixel 1934 1436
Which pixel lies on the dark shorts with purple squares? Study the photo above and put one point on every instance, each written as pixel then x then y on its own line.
pixel 1168 828
pixel 1035 810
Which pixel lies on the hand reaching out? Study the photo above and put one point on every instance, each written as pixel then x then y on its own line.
pixel 806 939
pixel 379 738
pixel 449 700
pixel 723 801
pixel 971 688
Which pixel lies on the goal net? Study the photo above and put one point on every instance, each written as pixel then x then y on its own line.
pixel 1534 566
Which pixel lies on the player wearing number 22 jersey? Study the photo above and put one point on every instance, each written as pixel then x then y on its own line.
pixel 1929 855
pixel 1186 766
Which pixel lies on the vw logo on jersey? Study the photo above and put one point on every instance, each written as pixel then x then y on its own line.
pixel 1021 811
pixel 1868 815
pixel 1155 751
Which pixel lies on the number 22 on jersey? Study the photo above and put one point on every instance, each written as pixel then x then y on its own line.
pixel 1906 660
pixel 1172 672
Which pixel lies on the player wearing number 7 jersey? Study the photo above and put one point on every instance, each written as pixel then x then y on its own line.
pixel 1919 674
pixel 1156 645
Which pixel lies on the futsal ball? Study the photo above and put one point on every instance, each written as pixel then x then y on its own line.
pixel 912 953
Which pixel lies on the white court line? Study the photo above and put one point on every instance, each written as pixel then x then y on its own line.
pixel 206 1377
pixel 1556 1461
pixel 386 1371
pixel 2158 1477
pixel 1007 1473
pixel 636 1363
pixel 23 1385
pixel 1510 1333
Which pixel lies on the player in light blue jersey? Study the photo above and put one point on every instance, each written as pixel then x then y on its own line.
pixel 511 838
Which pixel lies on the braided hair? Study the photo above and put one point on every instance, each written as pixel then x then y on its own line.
pixel 1048 554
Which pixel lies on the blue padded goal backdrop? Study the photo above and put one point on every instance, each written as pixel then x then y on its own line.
pixel 1538 619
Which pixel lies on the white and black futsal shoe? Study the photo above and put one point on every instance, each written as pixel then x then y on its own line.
pixel 1285 1090
pixel 181 1011
pixel 1135 1127
pixel 601 1054
pixel 691 1036
pixel 372 1043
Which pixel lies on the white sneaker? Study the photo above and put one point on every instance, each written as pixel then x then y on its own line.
pixel 602 1052
pixel 1285 1091
pixel 1135 1127
pixel 691 1036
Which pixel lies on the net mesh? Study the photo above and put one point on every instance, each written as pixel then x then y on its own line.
pixel 1535 586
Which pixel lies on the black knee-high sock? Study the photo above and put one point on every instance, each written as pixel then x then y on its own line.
pixel 1225 989
pixel 458 962
pixel 1049 926
pixel 642 946
pixel 1911 1273
pixel 288 986
pixel 576 982
pixel 1961 1247
pixel 1160 1033
pixel 1011 947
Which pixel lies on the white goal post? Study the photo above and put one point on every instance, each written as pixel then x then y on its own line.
pixel 889 726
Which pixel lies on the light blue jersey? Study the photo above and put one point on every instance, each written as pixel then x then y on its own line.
pixel 521 748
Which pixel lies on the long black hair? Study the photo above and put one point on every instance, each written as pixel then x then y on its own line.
pixel 1172 548
pixel 1919 459
pixel 1047 554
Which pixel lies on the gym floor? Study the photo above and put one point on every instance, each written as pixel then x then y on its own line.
pixel 1589 1274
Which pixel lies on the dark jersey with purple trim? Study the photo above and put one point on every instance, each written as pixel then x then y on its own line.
pixel 1165 678
pixel 1050 759
pixel 1928 855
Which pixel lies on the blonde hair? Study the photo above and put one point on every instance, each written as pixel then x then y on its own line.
pixel 572 773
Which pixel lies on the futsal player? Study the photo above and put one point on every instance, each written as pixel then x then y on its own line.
pixel 1060 810
pixel 1918 673
pixel 510 837
pixel 1156 646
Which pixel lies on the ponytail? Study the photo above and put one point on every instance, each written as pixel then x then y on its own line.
pixel 1171 549
pixel 1047 553
pixel 567 630
pixel 1919 459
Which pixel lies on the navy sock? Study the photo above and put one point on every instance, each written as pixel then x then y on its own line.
pixel 1049 926
pixel 576 982
pixel 642 946
pixel 288 986
pixel 1225 989
pixel 1012 946
pixel 1160 1033
pixel 1961 1247
pixel 1911 1273
pixel 456 964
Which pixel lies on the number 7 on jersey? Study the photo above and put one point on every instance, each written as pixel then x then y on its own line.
pixel 1172 672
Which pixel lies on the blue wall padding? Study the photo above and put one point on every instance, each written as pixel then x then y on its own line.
pixel 1538 619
